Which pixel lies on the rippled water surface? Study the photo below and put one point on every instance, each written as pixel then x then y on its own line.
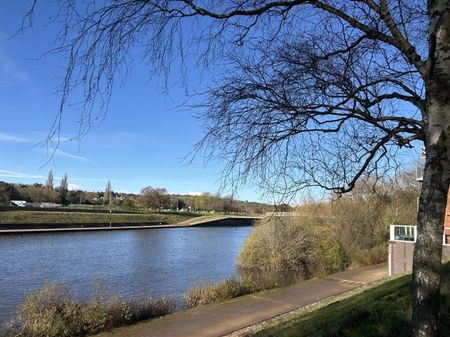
pixel 131 262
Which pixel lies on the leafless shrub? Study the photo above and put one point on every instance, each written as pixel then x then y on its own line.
pixel 208 292
pixel 288 244
pixel 51 312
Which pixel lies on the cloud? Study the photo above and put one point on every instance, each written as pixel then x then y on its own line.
pixel 194 194
pixel 8 138
pixel 75 187
pixel 14 174
pixel 22 175
pixel 58 152
pixel 63 139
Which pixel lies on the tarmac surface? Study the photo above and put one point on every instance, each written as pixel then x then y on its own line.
pixel 220 319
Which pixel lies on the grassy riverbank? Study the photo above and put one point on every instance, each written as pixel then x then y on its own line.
pixel 382 310
pixel 52 312
pixel 43 217
pixel 49 312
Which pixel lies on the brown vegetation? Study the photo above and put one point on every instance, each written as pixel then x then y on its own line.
pixel 51 312
pixel 291 244
pixel 208 292
pixel 325 237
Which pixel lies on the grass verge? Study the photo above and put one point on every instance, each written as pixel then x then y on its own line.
pixel 382 310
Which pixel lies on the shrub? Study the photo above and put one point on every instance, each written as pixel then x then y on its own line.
pixel 326 254
pixel 268 257
pixel 48 312
pixel 148 307
pixel 287 244
pixel 207 293
pixel 370 256
pixel 51 312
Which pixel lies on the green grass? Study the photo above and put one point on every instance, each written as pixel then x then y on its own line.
pixel 43 217
pixel 383 310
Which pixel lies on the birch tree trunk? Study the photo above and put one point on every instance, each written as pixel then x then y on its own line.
pixel 433 198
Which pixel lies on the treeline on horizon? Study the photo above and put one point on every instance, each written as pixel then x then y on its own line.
pixel 150 198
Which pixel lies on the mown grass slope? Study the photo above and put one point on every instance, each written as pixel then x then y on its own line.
pixel 384 310
pixel 21 217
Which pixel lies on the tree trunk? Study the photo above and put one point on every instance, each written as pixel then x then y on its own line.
pixel 433 197
pixel 428 249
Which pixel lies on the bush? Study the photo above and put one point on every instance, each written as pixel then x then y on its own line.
pixel 207 293
pixel 51 312
pixel 287 244
pixel 326 255
pixel 370 256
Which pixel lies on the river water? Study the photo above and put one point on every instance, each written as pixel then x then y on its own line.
pixel 159 262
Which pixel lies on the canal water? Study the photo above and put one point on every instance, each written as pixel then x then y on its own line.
pixel 159 262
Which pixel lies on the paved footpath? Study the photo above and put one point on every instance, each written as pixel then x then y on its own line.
pixel 223 318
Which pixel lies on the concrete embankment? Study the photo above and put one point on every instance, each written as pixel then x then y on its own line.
pixel 223 221
pixel 64 227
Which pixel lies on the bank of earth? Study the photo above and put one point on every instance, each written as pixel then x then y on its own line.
pixel 20 221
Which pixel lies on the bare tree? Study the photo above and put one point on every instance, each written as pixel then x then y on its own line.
pixel 107 195
pixel 306 92
pixel 49 182
pixel 49 192
pixel 156 198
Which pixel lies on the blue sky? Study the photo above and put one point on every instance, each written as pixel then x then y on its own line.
pixel 141 142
